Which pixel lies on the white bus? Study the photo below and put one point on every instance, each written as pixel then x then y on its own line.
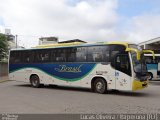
pixel 153 66
pixel 100 66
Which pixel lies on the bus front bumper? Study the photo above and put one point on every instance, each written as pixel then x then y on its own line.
pixel 137 85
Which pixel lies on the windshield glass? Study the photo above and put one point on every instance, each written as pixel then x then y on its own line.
pixel 138 65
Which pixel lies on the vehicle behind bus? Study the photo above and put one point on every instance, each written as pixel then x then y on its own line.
pixel 153 66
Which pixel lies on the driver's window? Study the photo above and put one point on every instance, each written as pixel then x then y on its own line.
pixel 123 64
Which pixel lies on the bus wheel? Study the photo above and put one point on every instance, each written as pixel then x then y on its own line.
pixel 100 86
pixel 34 79
pixel 150 76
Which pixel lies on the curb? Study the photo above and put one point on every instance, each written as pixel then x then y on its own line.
pixel 1 81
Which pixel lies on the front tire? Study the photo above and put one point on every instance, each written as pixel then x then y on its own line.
pixel 35 82
pixel 100 86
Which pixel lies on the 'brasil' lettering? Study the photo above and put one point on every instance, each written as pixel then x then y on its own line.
pixel 65 68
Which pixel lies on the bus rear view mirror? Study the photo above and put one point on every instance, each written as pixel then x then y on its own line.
pixel 138 54
pixel 149 51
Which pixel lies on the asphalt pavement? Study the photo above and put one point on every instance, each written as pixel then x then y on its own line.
pixel 19 97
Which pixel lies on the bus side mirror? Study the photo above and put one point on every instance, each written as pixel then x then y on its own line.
pixel 149 51
pixel 138 54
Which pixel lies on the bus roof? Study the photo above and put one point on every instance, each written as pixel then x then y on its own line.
pixel 75 44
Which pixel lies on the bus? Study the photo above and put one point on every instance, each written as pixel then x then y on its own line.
pixel 153 66
pixel 99 66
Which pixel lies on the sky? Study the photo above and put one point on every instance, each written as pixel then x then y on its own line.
pixel 89 20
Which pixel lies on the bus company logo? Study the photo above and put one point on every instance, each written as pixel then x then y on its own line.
pixel 65 68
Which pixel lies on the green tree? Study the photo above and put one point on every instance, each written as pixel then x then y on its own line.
pixel 3 47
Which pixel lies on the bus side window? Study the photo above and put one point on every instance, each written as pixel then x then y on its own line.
pixel 71 54
pixel 94 54
pixel 98 54
pixel 107 56
pixel 60 55
pixel 97 57
pixel 158 59
pixel 71 57
pixel 28 56
pixel 15 57
pixel 12 57
pixel 81 54
pixel 53 55
pixel 148 60
pixel 42 56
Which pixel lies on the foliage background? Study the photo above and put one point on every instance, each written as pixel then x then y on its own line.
pixel 3 47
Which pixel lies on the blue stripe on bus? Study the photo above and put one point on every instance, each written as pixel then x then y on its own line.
pixel 152 66
pixel 62 71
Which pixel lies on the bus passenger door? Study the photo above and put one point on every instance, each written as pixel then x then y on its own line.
pixel 122 72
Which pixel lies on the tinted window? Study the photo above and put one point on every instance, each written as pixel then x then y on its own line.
pixel 59 55
pixel 158 59
pixel 150 60
pixel 63 55
pixel 15 57
pixel 81 54
pixel 28 56
pixel 98 54
pixel 42 56
pixel 71 54
pixel 116 49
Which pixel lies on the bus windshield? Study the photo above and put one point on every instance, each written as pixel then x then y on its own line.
pixel 139 65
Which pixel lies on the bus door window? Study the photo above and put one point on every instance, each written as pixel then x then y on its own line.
pixel 112 58
pixel 122 64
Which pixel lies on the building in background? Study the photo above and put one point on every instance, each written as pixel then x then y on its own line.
pixel 12 40
pixel 54 40
pixel 74 40
pixel 153 44
pixel 48 40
